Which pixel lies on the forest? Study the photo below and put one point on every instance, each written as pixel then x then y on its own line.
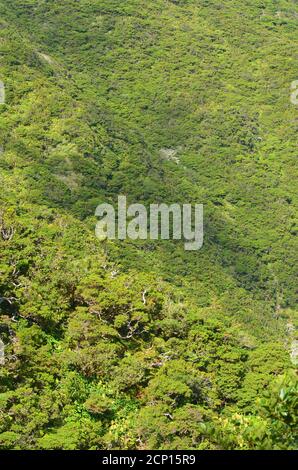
pixel 141 344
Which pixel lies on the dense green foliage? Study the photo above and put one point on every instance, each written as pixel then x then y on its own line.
pixel 142 345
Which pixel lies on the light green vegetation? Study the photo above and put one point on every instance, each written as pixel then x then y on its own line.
pixel 142 345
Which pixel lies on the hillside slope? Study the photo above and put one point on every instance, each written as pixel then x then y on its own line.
pixel 141 344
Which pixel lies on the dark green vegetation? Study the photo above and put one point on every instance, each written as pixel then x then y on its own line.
pixel 143 345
